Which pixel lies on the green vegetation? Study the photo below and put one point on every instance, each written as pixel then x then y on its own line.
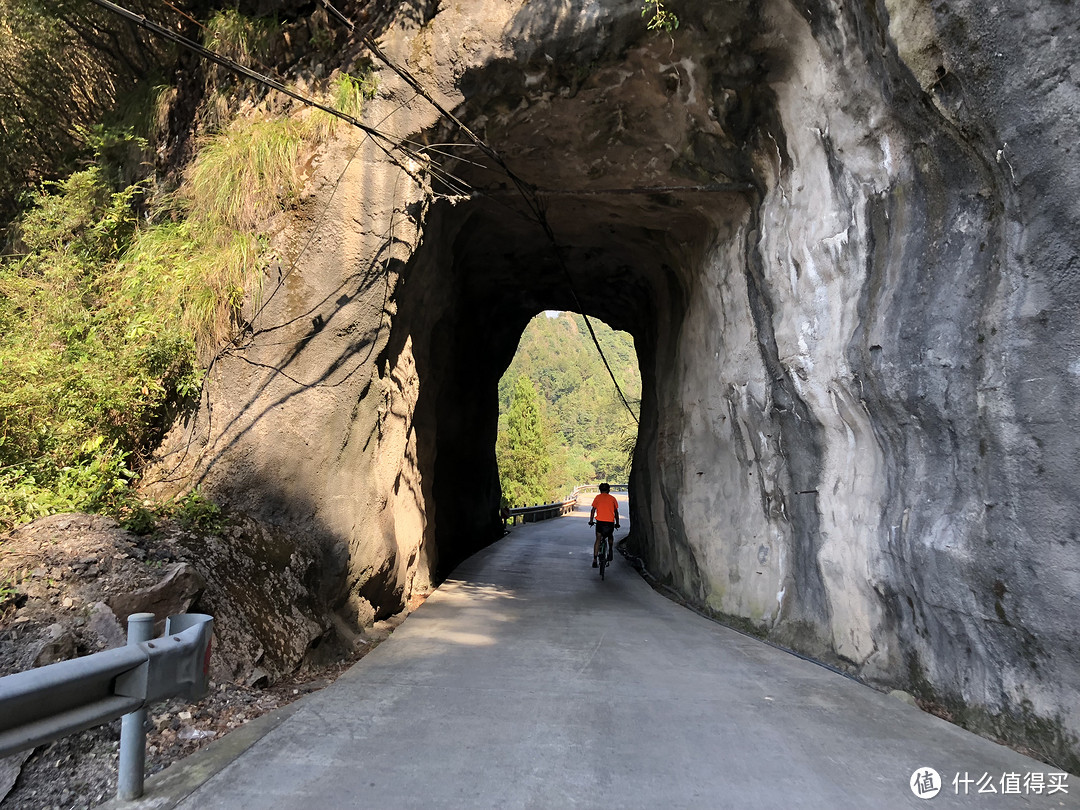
pixel 245 173
pixel 193 274
pixel 76 396
pixel 661 19
pixel 587 433
pixel 110 305
pixel 64 68
pixel 243 39
pixel 195 513
pixel 115 292
pixel 347 94
pixel 524 462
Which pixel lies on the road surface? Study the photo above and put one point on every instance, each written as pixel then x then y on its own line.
pixel 526 682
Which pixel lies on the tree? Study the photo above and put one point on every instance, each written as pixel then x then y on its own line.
pixel 522 451
pixel 65 67
pixel 586 425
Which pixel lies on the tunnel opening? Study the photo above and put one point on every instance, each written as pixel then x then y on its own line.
pixel 630 174
pixel 483 270
pixel 562 420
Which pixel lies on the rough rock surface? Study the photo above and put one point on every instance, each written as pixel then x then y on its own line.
pixel 175 593
pixel 59 572
pixel 74 579
pixel 844 237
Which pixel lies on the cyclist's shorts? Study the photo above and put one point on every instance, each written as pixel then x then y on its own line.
pixel 605 527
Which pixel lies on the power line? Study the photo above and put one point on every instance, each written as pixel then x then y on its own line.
pixel 385 142
pixel 388 144
pixel 709 188
pixel 527 190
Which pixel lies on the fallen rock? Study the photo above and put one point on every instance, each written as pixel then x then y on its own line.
pixel 266 614
pixel 189 733
pixel 10 768
pixel 58 645
pixel 174 594
pixel 103 625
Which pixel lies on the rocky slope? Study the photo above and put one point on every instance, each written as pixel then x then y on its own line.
pixel 844 238
pixel 69 583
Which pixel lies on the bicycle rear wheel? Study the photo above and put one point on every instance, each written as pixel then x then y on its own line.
pixel 603 556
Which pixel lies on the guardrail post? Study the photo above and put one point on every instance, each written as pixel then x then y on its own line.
pixel 133 726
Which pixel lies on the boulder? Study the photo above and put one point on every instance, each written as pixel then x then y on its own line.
pixel 59 644
pixel 104 626
pixel 10 768
pixel 175 593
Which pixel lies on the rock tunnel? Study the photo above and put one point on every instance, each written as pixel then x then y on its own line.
pixel 840 283
pixel 613 259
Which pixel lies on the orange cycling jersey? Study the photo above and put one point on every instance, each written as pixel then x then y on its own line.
pixel 606 506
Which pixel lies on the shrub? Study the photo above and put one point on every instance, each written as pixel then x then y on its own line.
pixel 181 280
pixel 662 19
pixel 111 305
pixel 240 38
pixel 347 94
pixel 102 324
pixel 196 513
pixel 245 174
pixel 96 480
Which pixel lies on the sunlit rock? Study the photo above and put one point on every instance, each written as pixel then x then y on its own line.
pixel 844 237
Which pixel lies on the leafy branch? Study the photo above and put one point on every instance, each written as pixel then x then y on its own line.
pixel 662 19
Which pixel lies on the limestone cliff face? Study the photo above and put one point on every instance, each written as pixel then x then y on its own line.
pixel 844 236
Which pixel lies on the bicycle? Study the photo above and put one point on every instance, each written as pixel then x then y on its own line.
pixel 606 545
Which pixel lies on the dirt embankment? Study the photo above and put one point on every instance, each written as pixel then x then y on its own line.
pixel 67 584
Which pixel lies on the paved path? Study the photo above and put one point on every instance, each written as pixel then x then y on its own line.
pixel 525 681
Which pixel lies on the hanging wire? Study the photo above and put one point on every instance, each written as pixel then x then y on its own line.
pixel 391 145
pixel 527 191
pixel 388 144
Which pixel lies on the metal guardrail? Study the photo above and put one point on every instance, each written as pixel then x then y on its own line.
pixel 542 511
pixel 545 511
pixel 589 489
pixel 44 704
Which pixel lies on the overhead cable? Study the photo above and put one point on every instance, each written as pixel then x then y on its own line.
pixel 526 189
pixel 388 144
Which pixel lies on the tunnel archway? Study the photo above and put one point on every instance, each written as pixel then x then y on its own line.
pixel 838 286
pixel 568 410
pixel 494 270
pixel 642 179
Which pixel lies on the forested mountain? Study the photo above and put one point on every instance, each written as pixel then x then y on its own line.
pixel 587 432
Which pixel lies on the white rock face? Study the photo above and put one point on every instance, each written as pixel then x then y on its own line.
pixel 847 246
pixel 864 448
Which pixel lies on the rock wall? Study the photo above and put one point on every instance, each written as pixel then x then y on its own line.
pixel 307 423
pixel 868 433
pixel 844 238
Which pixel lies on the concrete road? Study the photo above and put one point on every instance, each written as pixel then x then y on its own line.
pixel 525 681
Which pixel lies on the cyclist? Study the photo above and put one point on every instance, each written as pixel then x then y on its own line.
pixel 605 514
